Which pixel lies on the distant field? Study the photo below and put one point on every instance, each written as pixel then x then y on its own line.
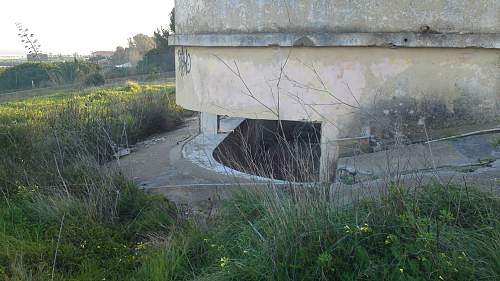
pixel 29 104
pixel 74 89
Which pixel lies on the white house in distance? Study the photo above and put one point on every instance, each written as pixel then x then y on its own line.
pixel 337 62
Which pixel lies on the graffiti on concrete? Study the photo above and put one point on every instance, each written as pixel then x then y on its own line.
pixel 184 61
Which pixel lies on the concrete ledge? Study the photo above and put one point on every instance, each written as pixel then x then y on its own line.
pixel 391 40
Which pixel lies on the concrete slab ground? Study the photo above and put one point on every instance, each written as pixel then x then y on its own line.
pixel 180 165
pixel 450 154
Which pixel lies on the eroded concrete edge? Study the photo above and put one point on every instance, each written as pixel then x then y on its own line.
pixel 328 39
pixel 200 151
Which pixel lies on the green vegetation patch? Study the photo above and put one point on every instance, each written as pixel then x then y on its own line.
pixel 35 75
pixel 40 232
pixel 430 233
pixel 65 215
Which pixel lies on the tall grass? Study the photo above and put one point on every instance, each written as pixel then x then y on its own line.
pixel 64 215
pixel 42 139
pixel 429 233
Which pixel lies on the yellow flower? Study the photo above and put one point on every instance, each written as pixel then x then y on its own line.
pixel 140 246
pixel 224 261
pixel 365 228
pixel 421 258
pixel 390 238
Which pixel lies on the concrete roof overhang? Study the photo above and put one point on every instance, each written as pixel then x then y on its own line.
pixel 329 39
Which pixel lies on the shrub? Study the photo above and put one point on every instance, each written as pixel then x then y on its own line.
pixel 133 86
pixel 93 80
pixel 157 61
pixel 28 75
pixel 25 76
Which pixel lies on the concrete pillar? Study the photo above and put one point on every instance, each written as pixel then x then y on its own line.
pixel 329 152
pixel 209 123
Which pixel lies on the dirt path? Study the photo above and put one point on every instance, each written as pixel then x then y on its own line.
pixel 157 156
pixel 157 165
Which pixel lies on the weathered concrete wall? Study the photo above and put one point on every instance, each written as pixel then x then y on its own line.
pixel 250 16
pixel 209 124
pixel 337 84
pixel 389 65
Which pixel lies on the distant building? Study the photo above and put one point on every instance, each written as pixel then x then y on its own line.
pixel 37 57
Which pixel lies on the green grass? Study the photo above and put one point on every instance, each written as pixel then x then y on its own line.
pixel 430 233
pixel 76 89
pixel 64 215
pixel 88 248
pixel 66 130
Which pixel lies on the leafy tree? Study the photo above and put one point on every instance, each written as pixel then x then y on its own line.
pixel 73 72
pixel 138 46
pixel 133 55
pixel 172 21
pixel 161 38
pixel 119 56
pixel 161 58
pixel 25 76
pixel 157 61
pixel 142 43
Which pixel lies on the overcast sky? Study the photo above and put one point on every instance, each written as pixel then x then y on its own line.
pixel 80 26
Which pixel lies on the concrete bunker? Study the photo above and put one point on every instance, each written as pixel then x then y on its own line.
pixel 415 73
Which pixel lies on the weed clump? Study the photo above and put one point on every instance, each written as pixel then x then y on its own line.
pixel 132 86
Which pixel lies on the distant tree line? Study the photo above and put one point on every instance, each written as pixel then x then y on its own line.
pixel 42 74
pixel 146 55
